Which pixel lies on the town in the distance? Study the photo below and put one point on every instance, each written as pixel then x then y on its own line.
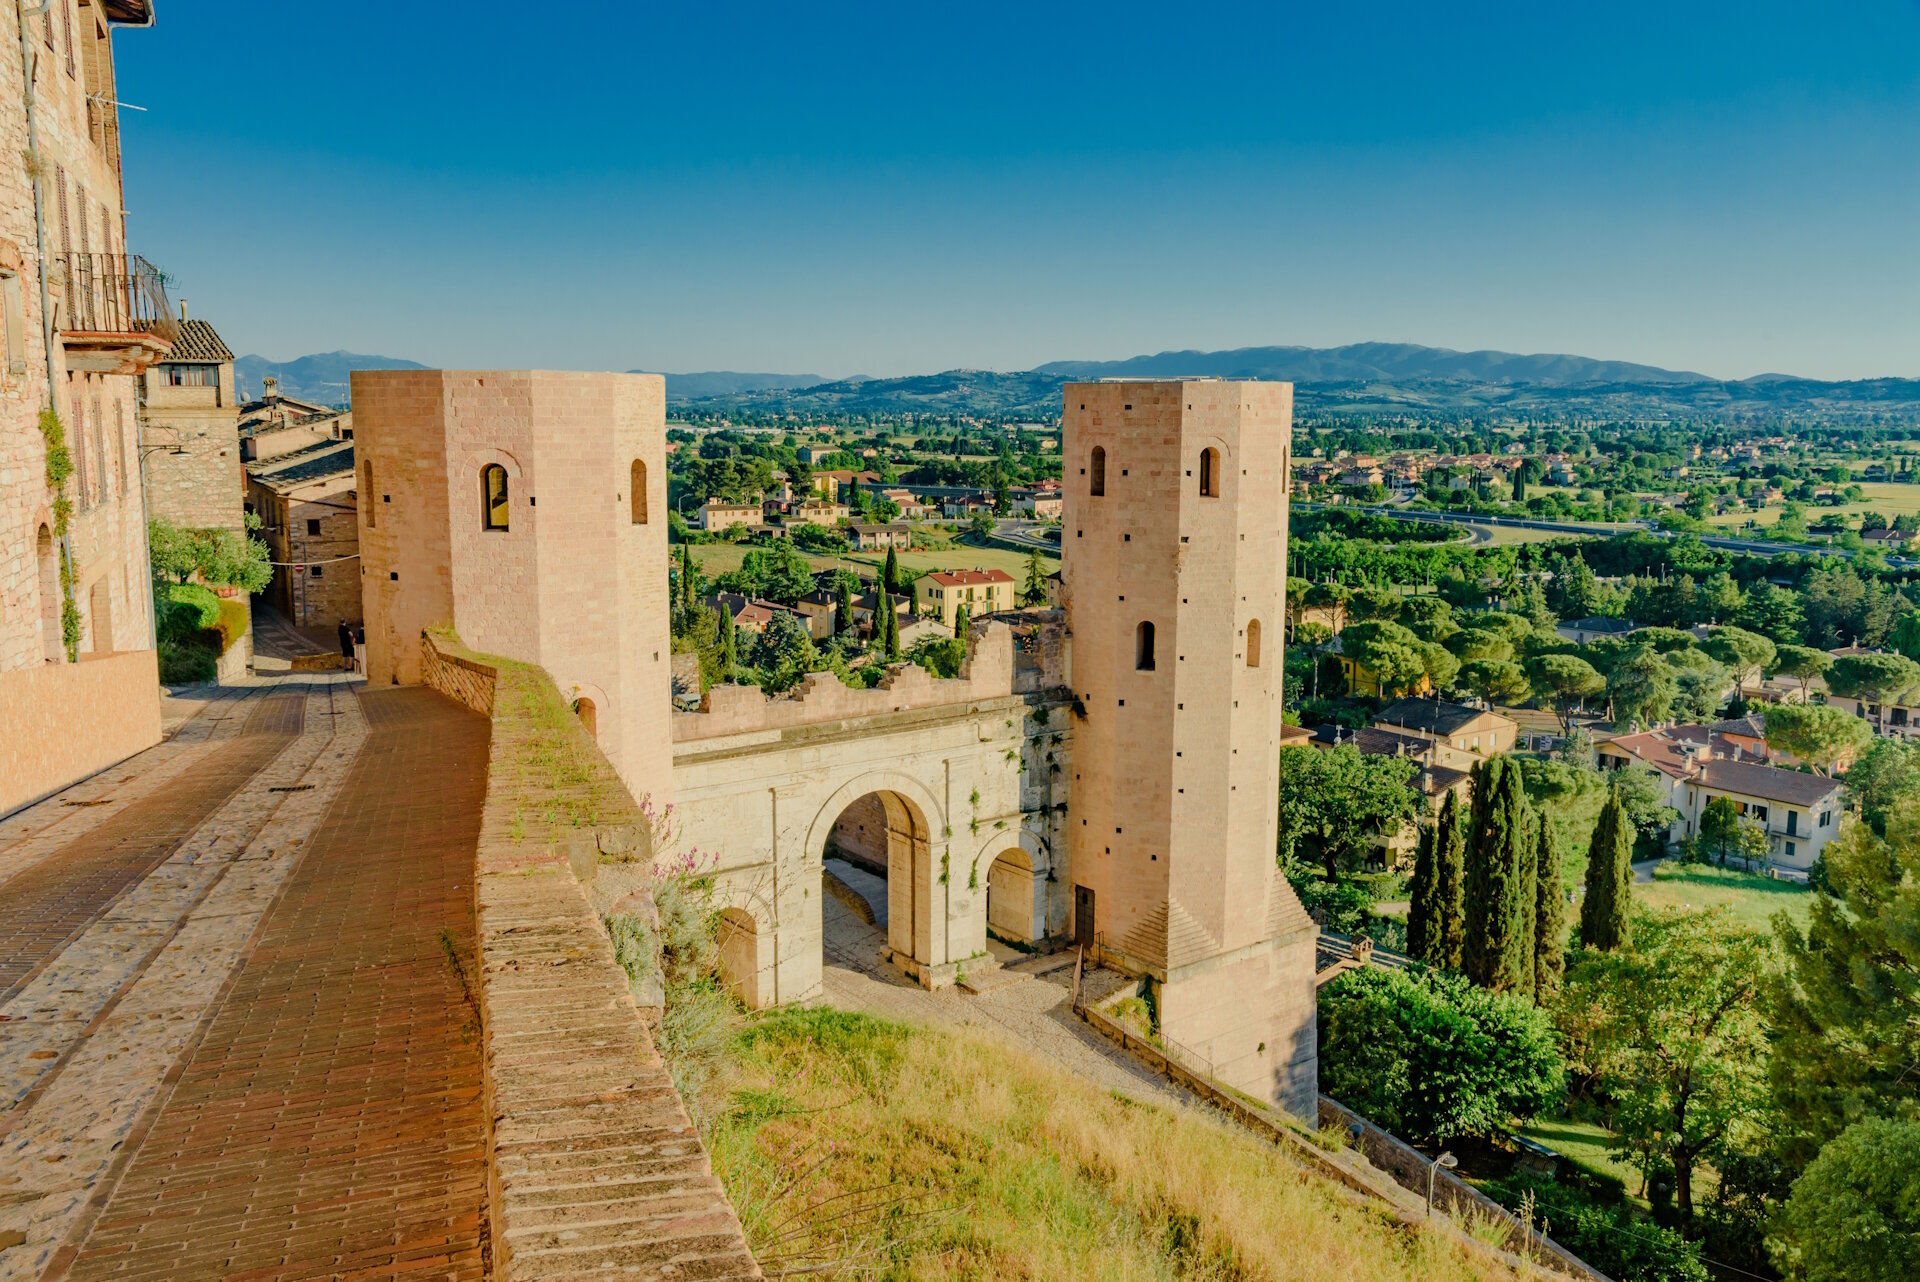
pixel 1271 813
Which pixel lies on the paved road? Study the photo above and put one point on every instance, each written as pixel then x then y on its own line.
pixel 242 1048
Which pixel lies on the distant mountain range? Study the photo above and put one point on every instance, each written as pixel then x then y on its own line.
pixel 320 378
pixel 1360 378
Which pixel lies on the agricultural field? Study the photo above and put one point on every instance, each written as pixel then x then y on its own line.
pixel 719 558
pixel 1888 498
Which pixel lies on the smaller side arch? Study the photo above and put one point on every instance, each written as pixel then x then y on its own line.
pixel 1097 472
pixel 1210 473
pixel 637 480
pixel 496 498
pixel 1143 646
pixel 1253 643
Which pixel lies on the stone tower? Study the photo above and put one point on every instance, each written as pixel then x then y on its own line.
pixel 527 508
pixel 1175 548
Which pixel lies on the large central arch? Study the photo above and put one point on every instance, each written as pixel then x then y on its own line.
pixel 899 820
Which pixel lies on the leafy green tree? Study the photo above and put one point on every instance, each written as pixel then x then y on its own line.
pixel 940 656
pixel 1497 682
pixel 1480 645
pixel 1429 1056
pixel 1815 733
pixel 1605 921
pixel 1388 651
pixel 221 558
pixel 1874 678
pixel 1427 617
pixel 1801 662
pixel 1498 949
pixel 1745 652
pixel 1565 682
pixel 1331 600
pixel 782 653
pixel 1772 611
pixel 776 572
pixel 1854 1214
pixel 1374 605
pixel 1312 638
pixel 1846 1010
pixel 1884 780
pixel 1334 804
pixel 1641 688
pixel 1549 917
pixel 1905 636
pixel 1671 1030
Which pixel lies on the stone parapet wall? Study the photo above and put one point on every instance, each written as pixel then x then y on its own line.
pixel 594 1168
pixel 464 680
pixel 65 721
pixel 822 699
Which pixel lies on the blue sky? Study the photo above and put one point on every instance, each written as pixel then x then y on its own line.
pixel 892 188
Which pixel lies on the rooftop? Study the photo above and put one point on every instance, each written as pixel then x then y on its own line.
pixel 198 342
pixel 1435 716
pixel 968 578
pixel 302 467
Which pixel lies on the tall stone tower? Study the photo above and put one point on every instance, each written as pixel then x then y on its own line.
pixel 1175 550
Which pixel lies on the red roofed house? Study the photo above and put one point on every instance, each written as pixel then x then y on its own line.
pixel 941 593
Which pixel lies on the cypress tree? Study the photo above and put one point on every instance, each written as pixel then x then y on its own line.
pixel 1549 917
pixel 846 605
pixel 890 575
pixel 689 581
pixel 1603 913
pixel 727 656
pixel 1423 894
pixel 961 619
pixel 1499 893
pixel 1449 857
pixel 893 627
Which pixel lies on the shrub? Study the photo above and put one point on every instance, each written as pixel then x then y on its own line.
pixel 1610 1238
pixel 188 662
pixel 1428 1055
pixel 183 609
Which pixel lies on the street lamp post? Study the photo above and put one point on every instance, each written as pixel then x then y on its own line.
pixel 1446 1160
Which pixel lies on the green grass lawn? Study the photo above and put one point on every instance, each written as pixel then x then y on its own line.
pixel 1586 1143
pixel 1753 899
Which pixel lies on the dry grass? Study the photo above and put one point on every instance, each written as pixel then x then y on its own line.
pixel 916 1154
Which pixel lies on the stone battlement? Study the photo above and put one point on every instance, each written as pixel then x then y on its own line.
pixel 989 673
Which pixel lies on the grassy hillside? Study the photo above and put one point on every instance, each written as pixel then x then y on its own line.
pixel 911 1153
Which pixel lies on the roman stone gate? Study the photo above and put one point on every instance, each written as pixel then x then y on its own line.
pixel 953 788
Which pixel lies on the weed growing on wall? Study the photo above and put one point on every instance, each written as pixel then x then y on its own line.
pixel 59 468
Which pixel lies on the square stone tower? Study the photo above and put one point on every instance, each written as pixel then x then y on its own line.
pixel 1174 546
pixel 528 508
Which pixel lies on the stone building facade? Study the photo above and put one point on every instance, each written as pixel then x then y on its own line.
pixel 308 508
pixel 1174 553
pixel 81 320
pixel 190 427
pixel 452 470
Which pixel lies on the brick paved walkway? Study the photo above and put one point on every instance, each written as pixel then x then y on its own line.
pixel 47 905
pixel 329 1121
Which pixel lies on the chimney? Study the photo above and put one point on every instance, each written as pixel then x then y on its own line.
pixel 270 388
pixel 183 309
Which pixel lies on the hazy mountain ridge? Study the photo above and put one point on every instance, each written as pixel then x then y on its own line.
pixel 321 377
pixel 1368 362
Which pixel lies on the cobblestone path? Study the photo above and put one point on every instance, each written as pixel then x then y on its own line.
pixel 249 1053
pixel 47 905
pixel 329 1121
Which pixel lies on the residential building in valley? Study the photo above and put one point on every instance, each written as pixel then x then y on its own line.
pixel 942 593
pixel 82 320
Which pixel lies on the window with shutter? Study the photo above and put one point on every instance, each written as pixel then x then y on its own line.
pixel 66 20
pixel 78 434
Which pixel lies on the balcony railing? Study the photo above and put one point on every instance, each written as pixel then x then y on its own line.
pixel 113 294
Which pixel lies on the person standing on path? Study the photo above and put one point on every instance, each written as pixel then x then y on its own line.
pixel 346 645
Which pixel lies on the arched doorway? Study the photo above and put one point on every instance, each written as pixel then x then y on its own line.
pixel 1010 906
pixel 883 835
pixel 740 969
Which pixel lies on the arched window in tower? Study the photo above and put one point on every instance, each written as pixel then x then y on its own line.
pixel 1143 647
pixel 638 480
pixel 1210 473
pixel 493 497
pixel 1097 472
pixel 1253 643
